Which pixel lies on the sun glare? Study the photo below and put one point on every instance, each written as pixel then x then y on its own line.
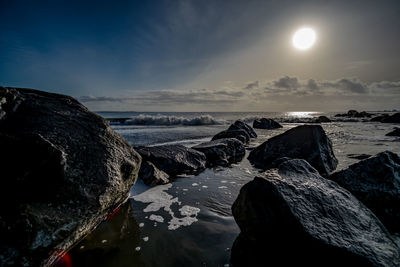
pixel 304 38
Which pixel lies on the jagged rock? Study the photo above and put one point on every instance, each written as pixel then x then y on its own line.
pixel 222 152
pixel 237 125
pixel 307 142
pixel 376 182
pixel 151 175
pixel 174 159
pixel 238 134
pixel 63 171
pixel 395 118
pixel 395 132
pixel 322 119
pixel 292 216
pixel 266 124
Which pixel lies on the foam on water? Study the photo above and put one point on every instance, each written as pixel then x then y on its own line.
pixel 158 198
pixel 168 120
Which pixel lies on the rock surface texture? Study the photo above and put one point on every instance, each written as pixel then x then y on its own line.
pixel 63 171
pixel 240 134
pixel 237 125
pixel 151 175
pixel 292 216
pixel 266 124
pixel 307 142
pixel 376 182
pixel 174 159
pixel 222 152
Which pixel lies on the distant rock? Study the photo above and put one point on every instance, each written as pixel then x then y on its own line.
pixel 395 132
pixel 63 170
pixel 355 114
pixel 380 118
pixel 307 142
pixel 174 159
pixel 237 125
pixel 266 124
pixel 358 156
pixel 238 134
pixel 292 216
pixel 222 152
pixel 376 182
pixel 322 119
pixel 151 175
pixel 395 118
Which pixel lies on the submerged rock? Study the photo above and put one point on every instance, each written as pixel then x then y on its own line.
pixel 292 216
pixel 237 125
pixel 307 142
pixel 395 132
pixel 376 182
pixel 238 134
pixel 63 171
pixel 222 152
pixel 151 175
pixel 266 124
pixel 174 159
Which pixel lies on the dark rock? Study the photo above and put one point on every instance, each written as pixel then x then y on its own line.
pixel 279 161
pixel 63 171
pixel 307 142
pixel 358 156
pixel 151 175
pixel 174 159
pixel 222 152
pixel 355 114
pixel 266 124
pixel 238 134
pixel 322 119
pixel 395 132
pixel 395 118
pixel 380 118
pixel 292 216
pixel 375 181
pixel 237 125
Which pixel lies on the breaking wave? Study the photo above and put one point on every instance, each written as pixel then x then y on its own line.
pixel 165 120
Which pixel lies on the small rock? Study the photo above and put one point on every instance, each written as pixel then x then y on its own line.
pixel 238 134
pixel 237 125
pixel 266 124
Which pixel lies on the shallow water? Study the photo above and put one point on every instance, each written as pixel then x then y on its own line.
pixel 189 222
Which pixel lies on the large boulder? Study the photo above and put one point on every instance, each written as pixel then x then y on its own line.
pixel 266 124
pixel 395 118
pixel 174 159
pixel 222 152
pixel 322 119
pixel 292 216
pixel 240 135
pixel 307 142
pixel 151 175
pixel 63 171
pixel 376 182
pixel 237 125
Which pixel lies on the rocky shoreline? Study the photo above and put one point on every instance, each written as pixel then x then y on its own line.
pixel 73 170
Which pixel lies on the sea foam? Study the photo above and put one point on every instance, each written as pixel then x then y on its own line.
pixel 164 120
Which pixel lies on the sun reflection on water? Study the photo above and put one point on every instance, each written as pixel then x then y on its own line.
pixel 301 114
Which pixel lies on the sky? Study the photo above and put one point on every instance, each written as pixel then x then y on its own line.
pixel 202 55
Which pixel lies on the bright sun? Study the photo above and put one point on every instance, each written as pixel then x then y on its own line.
pixel 304 38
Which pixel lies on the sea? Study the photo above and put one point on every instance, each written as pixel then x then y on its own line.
pixel 189 222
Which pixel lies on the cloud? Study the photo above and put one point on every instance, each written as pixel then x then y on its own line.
pixel 287 83
pixel 284 93
pixel 252 85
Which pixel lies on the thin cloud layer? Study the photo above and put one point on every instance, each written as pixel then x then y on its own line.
pixel 272 95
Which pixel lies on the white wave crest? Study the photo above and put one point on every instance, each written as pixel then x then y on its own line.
pixel 144 119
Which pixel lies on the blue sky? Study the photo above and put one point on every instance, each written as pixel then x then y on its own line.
pixel 204 55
